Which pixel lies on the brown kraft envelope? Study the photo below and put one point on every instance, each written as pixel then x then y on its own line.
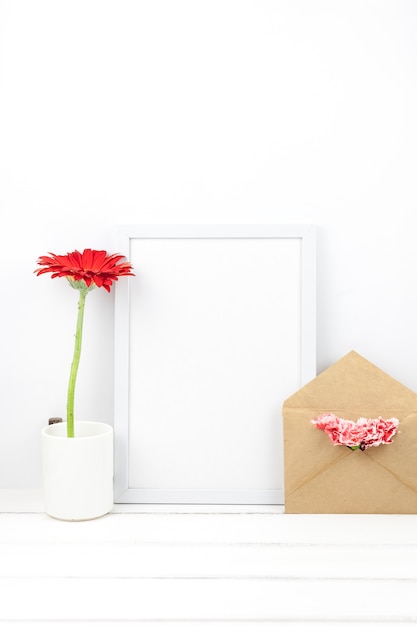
pixel 324 478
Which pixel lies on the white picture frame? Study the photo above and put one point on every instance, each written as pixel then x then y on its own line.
pixel 214 332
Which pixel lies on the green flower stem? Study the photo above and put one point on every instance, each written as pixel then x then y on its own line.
pixel 75 363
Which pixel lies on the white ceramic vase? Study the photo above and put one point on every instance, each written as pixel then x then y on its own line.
pixel 77 471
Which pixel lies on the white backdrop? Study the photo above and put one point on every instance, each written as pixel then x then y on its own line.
pixel 207 111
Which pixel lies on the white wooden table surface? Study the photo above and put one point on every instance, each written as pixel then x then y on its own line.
pixel 205 565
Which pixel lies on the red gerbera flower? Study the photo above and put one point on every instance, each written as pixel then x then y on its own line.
pixel 84 271
pixel 91 266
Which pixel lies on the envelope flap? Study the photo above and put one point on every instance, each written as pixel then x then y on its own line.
pixel 355 385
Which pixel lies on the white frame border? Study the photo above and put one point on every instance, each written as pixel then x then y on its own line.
pixel 124 234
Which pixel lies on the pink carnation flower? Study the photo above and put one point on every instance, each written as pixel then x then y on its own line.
pixel 361 434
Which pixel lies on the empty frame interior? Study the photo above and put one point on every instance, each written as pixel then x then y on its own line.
pixel 213 333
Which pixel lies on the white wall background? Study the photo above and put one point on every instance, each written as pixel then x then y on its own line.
pixel 200 111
